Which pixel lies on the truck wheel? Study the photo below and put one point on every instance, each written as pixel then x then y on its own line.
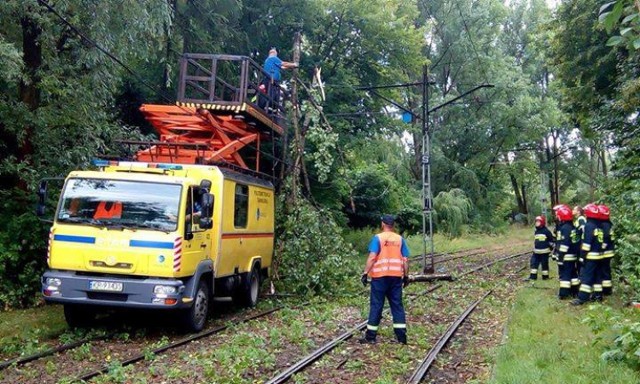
pixel 196 316
pixel 247 294
pixel 78 316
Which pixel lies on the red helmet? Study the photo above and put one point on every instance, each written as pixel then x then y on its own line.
pixel 604 212
pixel 591 211
pixel 563 212
pixel 542 220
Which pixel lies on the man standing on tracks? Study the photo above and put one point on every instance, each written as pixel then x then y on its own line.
pixel 272 66
pixel 388 267
pixel 542 245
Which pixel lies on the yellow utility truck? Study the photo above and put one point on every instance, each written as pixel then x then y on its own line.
pixel 192 217
pixel 158 236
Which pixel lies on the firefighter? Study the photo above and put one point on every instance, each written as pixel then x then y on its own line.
pixel 388 267
pixel 590 252
pixel 568 247
pixel 542 245
pixel 608 249
pixel 578 222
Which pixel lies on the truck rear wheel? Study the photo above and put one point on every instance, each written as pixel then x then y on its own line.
pixel 195 317
pixel 78 316
pixel 247 294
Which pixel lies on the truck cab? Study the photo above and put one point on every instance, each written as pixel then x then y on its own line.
pixel 158 236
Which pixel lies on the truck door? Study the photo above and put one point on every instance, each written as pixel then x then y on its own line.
pixel 197 241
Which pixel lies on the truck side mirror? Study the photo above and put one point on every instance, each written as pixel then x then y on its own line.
pixel 206 202
pixel 42 198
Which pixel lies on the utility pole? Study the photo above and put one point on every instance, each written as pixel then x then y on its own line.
pixel 427 193
pixel 427 198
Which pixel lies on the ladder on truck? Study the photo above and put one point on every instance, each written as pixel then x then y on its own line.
pixel 221 109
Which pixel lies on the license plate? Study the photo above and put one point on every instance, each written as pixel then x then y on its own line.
pixel 109 286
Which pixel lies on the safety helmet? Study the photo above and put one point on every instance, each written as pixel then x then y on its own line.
pixel 591 211
pixel 542 220
pixel 604 212
pixel 563 212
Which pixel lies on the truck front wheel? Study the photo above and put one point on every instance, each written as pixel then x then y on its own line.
pixel 195 317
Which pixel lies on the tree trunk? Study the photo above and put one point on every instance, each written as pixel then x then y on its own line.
pixel 298 151
pixel 516 190
pixel 524 199
pixel 168 48
pixel 550 178
pixel 29 91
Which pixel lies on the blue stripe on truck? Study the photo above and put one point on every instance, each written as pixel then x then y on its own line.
pixel 151 244
pixel 75 239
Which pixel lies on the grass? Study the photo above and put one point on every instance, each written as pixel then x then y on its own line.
pixel 547 342
pixel 24 329
pixel 360 239
pixel 472 240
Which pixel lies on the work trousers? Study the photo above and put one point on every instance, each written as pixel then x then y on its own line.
pixel 607 284
pixel 536 260
pixel 589 284
pixel 569 281
pixel 391 288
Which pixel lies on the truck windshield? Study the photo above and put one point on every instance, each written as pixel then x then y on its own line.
pixel 120 204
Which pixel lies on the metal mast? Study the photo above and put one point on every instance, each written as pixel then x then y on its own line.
pixel 427 198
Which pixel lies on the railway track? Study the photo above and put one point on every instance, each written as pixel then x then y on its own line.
pixel 88 375
pixel 144 352
pixel 314 356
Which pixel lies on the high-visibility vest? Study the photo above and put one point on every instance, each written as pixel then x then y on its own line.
pixel 390 261
pixel 108 210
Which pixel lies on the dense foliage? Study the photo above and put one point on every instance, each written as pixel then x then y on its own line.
pixel 558 125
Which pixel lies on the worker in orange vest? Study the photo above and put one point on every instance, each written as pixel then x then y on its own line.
pixel 388 268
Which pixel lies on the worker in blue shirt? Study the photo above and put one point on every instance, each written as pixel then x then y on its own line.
pixel 272 66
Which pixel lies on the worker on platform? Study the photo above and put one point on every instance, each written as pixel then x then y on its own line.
pixel 608 249
pixel 542 247
pixel 272 66
pixel 591 253
pixel 579 221
pixel 568 247
pixel 388 267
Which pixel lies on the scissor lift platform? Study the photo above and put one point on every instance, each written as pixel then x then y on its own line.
pixel 225 103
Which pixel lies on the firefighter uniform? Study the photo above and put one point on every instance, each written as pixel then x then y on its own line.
pixel 591 253
pixel 568 250
pixel 386 282
pixel 608 250
pixel 579 223
pixel 541 250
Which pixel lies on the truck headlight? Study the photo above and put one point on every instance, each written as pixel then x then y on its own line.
pixel 165 290
pixel 53 282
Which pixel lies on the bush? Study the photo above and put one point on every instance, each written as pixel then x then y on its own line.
pixel 22 251
pixel 311 256
pixel 452 211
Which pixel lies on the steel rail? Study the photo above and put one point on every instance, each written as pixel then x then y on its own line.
pixel 493 262
pixel 178 343
pixel 318 353
pixel 424 366
pixel 39 355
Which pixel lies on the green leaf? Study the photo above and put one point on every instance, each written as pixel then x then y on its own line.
pixel 628 18
pixel 636 43
pixel 614 40
pixel 605 7
pixel 624 31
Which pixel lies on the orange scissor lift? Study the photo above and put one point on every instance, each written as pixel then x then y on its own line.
pixel 221 109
